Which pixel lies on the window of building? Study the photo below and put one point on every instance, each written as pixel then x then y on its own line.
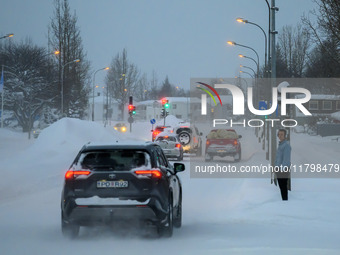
pixel 313 105
pixel 174 106
pixel 327 105
pixel 338 105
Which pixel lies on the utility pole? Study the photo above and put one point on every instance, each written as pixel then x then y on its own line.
pixel 273 9
pixel 2 96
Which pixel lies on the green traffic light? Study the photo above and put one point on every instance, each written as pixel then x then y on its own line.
pixel 166 106
pixel 133 112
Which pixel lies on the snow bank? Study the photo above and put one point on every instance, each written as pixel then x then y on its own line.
pixel 73 133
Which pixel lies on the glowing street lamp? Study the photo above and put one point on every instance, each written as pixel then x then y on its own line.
pixel 247 73
pixel 249 69
pixel 243 56
pixel 245 46
pixel 7 36
pixel 241 20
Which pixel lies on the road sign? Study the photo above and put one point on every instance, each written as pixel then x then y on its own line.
pixel 152 121
pixel 263 105
pixel 130 119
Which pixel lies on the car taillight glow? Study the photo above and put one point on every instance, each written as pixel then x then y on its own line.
pixel 178 145
pixel 153 173
pixel 208 142
pixel 70 174
pixel 235 142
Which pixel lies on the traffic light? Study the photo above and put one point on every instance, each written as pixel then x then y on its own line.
pixel 130 108
pixel 162 113
pixel 166 105
pixel 166 113
pixel 164 101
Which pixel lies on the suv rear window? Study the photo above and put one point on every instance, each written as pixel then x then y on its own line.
pixel 222 134
pixel 166 138
pixel 119 160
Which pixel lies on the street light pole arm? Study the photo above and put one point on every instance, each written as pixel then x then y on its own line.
pixel 6 36
pixel 257 64
pixel 257 55
pixel 265 41
pixel 250 69
pixel 248 74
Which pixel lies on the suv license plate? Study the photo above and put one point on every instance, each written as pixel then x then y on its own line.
pixel 112 184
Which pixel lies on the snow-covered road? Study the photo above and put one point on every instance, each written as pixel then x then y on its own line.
pixel 220 216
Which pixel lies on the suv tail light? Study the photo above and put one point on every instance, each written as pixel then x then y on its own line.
pixel 70 174
pixel 235 142
pixel 178 145
pixel 150 173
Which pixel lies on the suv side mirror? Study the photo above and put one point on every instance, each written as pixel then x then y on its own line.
pixel 240 136
pixel 201 133
pixel 179 167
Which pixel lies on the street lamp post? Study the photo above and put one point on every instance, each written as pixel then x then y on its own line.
pixel 62 84
pixel 245 46
pixel 7 36
pixel 247 73
pixel 241 20
pixel 249 69
pixel 94 86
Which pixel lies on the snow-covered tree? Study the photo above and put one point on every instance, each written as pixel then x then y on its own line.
pixel 28 81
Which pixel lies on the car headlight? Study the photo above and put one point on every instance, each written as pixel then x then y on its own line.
pixel 123 129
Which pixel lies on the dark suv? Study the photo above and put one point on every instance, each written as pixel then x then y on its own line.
pixel 110 183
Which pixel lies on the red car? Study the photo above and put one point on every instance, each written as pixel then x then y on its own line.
pixel 157 131
pixel 222 143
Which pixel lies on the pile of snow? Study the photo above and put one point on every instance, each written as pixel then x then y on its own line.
pixel 73 133
pixel 172 121
pixel 336 115
pixel 59 143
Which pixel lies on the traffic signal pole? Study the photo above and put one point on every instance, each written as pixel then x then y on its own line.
pixel 132 111
pixel 164 112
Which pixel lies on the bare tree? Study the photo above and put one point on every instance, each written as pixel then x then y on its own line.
pixel 154 86
pixel 64 35
pixel 141 93
pixel 122 79
pixel 294 43
pixel 326 35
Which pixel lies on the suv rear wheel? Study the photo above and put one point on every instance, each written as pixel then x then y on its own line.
pixel 167 229
pixel 184 138
pixel 69 230
pixel 178 218
pixel 208 157
pixel 237 157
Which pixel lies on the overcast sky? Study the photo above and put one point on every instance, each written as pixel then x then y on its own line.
pixel 178 38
